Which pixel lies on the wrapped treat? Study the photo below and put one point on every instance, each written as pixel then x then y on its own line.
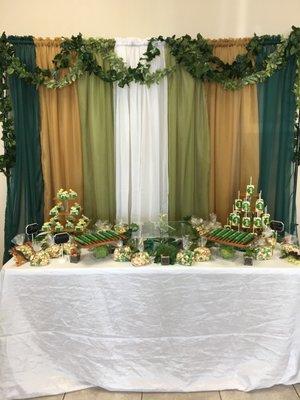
pixel 202 230
pixel 246 205
pixel 270 236
pixel 163 224
pixel 250 188
pixel 19 259
pixel 259 204
pixel 257 222
pixel 140 259
pixel 263 253
pixel 121 228
pixel 54 251
pixel 271 241
pixel 246 222
pixel 185 257
pixel 19 239
pixel 100 252
pixel 195 221
pixel 198 225
pixel 186 242
pixel 288 249
pixel 122 254
pixel 227 252
pixel 266 217
pixel 213 223
pixel 41 258
pixel 234 218
pixel 102 226
pixel 238 203
pixel 202 254
pixel 290 252
pixel 69 247
pixel 26 250
pixel 21 252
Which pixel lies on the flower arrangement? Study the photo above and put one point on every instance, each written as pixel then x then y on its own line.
pixel 185 257
pixel 140 259
pixel 166 249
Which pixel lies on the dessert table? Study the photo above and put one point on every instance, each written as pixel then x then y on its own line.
pixel 213 326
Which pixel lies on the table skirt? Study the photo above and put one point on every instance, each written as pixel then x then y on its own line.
pixel 213 326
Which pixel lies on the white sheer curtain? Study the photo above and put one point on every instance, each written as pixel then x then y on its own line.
pixel 141 141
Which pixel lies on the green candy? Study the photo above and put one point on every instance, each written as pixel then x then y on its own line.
pixel 241 236
pixel 234 237
pixel 80 241
pixel 222 233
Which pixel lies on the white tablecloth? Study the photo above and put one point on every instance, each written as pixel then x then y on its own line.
pixel 214 326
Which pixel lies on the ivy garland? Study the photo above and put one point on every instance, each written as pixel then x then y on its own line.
pixel 8 158
pixel 196 55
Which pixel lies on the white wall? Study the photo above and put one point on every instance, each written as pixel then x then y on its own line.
pixel 144 18
pixel 2 204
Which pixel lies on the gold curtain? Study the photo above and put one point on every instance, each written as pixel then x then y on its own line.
pixel 234 129
pixel 60 131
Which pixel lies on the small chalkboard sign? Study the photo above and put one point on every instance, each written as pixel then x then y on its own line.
pixel 32 229
pixel 277 226
pixel 61 238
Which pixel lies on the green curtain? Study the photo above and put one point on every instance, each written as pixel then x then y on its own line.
pixel 25 186
pixel 277 108
pixel 189 145
pixel 97 127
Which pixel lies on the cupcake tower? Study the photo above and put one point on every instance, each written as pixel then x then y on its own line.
pixel 66 215
pixel 250 212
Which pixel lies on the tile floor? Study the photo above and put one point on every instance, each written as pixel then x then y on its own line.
pixel 275 393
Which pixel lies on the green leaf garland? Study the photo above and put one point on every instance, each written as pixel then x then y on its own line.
pixel 196 55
